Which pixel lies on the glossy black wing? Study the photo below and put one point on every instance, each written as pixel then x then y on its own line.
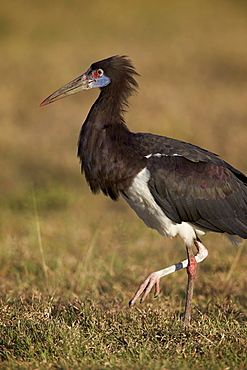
pixel 150 145
pixel 205 194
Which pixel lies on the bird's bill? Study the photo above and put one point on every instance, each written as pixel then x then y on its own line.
pixel 80 83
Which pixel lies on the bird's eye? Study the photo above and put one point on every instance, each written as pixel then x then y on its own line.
pixel 97 73
pixel 100 72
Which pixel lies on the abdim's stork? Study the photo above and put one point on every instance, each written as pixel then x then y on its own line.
pixel 175 187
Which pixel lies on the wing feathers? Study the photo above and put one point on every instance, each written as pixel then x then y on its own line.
pixel 205 194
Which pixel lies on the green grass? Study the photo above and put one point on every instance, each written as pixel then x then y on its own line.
pixel 87 333
pixel 70 261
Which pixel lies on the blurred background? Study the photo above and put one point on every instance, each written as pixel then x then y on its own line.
pixel 192 57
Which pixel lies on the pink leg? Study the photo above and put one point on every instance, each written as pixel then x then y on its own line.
pixel 191 271
pixel 154 278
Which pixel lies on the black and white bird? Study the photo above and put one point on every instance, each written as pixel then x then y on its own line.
pixel 175 187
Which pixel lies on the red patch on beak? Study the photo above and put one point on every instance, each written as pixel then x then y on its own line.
pixel 75 82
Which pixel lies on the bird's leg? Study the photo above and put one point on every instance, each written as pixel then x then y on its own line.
pixel 191 271
pixel 154 278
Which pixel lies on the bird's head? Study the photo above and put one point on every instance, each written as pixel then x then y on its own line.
pixel 93 77
pixel 116 69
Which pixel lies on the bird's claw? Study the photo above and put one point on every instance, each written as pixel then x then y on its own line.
pixel 152 280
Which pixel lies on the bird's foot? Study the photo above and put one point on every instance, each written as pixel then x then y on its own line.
pixel 152 280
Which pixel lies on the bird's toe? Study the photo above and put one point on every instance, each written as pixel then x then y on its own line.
pixel 146 287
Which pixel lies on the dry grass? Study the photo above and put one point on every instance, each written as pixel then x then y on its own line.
pixel 70 261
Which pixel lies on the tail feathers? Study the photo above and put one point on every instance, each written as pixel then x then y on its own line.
pixel 234 239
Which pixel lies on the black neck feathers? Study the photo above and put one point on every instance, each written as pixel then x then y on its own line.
pixel 106 147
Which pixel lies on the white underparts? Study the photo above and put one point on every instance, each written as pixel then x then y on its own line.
pixel 140 199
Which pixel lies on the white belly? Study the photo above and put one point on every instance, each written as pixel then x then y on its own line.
pixel 142 202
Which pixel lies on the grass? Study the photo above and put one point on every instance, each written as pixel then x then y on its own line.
pixel 70 261
pixel 88 333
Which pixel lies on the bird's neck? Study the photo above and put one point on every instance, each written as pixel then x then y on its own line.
pixel 107 149
pixel 107 110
